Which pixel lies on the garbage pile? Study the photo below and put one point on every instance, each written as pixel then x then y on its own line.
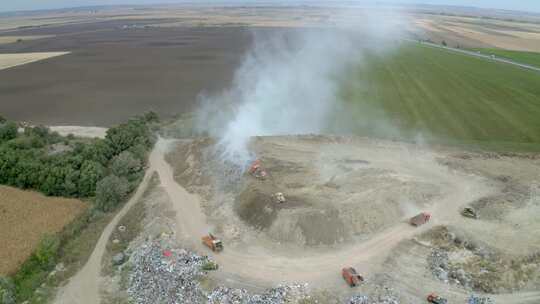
pixel 479 300
pixel 363 299
pixel 441 268
pixel 161 274
pixel 279 295
pixel 165 275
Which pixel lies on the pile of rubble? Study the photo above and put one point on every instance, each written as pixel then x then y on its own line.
pixel 161 274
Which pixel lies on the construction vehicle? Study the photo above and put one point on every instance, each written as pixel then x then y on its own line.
pixel 256 170
pixel 469 212
pixel 212 242
pixel 351 276
pixel 435 299
pixel 420 219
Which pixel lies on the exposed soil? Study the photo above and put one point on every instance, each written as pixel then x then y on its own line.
pixel 26 217
pixel 113 74
pixel 382 184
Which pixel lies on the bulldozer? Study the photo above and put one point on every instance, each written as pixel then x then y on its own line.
pixel 212 242
pixel 469 212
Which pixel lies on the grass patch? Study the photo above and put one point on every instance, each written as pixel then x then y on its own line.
pixel 530 58
pixel 420 92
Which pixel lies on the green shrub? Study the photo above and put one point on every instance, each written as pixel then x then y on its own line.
pixel 8 131
pixel 110 191
pixel 7 291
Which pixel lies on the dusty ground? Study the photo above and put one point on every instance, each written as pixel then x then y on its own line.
pixel 26 217
pixel 13 60
pixel 392 254
pixel 348 204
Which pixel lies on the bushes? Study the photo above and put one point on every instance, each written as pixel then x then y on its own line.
pixel 110 191
pixel 8 131
pixel 34 271
pixel 7 291
pixel 25 161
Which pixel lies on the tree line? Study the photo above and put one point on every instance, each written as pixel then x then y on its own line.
pixel 104 169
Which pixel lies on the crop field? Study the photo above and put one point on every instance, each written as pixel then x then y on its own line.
pixel 26 217
pixel 420 91
pixel 11 60
pixel 531 58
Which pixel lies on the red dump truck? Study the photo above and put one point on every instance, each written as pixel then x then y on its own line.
pixel 212 242
pixel 420 219
pixel 351 276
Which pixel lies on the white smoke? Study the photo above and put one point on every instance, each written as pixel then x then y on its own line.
pixel 287 84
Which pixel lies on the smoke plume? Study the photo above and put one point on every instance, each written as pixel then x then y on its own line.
pixel 288 83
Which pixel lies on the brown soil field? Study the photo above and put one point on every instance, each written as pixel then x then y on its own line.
pixel 26 217
pixel 114 73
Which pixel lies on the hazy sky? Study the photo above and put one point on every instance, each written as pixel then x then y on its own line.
pixel 10 5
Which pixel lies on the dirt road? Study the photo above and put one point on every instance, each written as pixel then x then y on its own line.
pixel 262 265
pixel 84 286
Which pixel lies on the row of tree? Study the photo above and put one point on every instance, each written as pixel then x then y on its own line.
pixel 106 169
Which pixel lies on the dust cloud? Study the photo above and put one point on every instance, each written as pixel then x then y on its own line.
pixel 289 84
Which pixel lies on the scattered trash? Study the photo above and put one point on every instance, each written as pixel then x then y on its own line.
pixel 479 300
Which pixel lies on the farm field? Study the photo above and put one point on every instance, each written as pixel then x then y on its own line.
pixel 531 58
pixel 127 72
pixel 26 218
pixel 12 60
pixel 433 94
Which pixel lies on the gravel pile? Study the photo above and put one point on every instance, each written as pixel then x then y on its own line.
pixel 161 274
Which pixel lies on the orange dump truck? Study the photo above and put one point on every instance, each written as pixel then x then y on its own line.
pixel 351 276
pixel 256 170
pixel 212 242
pixel 420 219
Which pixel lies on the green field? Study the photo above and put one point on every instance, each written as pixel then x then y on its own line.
pixel 421 92
pixel 530 58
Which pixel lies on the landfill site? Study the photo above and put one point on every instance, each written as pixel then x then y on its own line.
pixel 280 154
pixel 324 219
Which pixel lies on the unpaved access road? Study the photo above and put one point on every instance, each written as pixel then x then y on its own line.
pixel 263 266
